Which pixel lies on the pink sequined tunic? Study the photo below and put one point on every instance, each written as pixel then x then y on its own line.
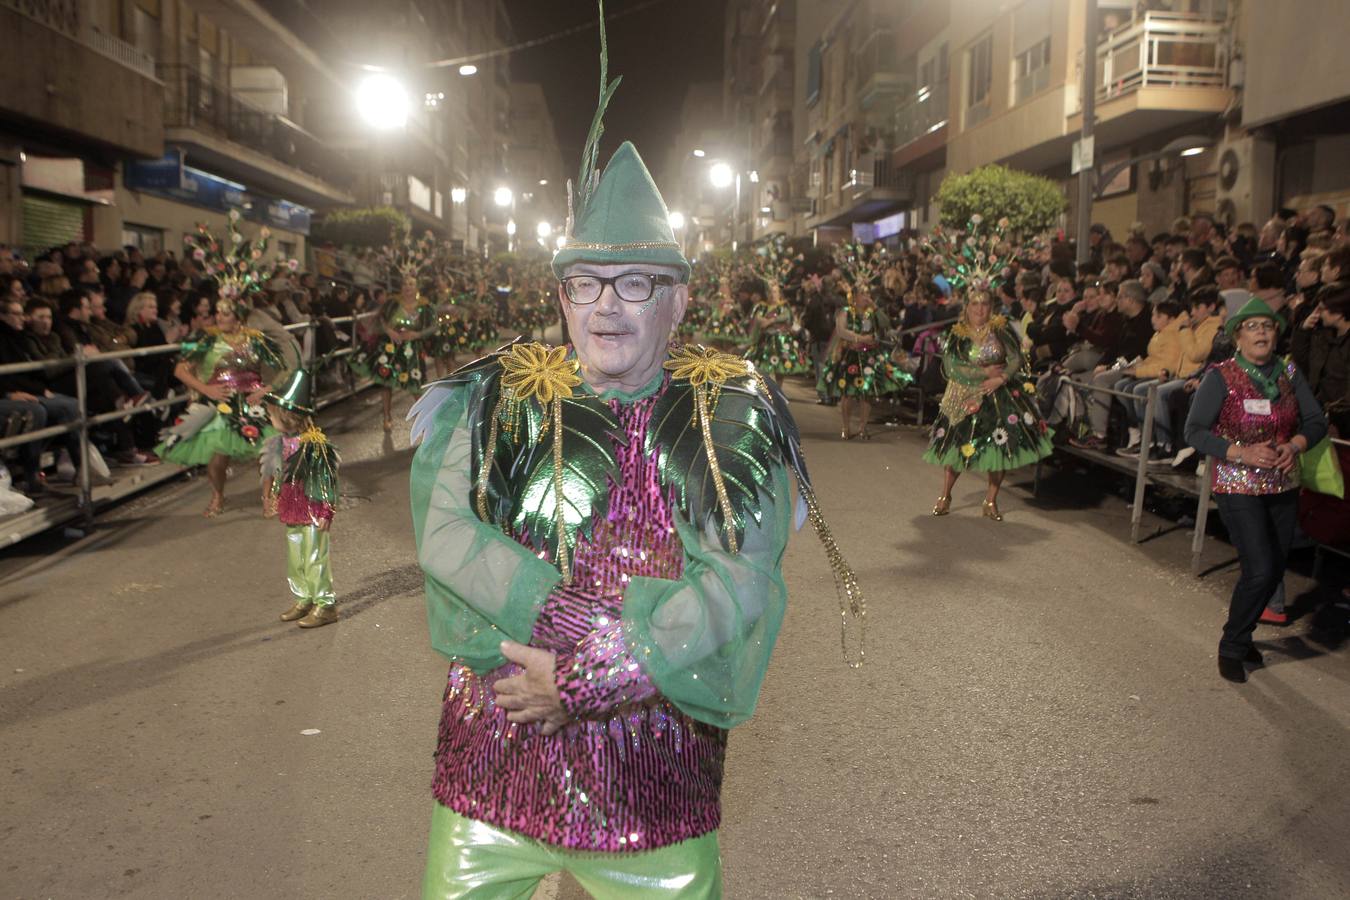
pixel 1237 424
pixel 630 772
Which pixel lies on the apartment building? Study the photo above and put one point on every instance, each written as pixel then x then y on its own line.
pixel 131 121
pixel 684 173
pixel 534 170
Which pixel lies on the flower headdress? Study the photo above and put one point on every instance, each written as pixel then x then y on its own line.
pixel 407 259
pixel 975 259
pixel 860 268
pixel 772 264
pixel 235 264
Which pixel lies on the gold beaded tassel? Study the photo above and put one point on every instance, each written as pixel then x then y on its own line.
pixel 851 600
pixel 489 452
pixel 564 563
pixel 705 426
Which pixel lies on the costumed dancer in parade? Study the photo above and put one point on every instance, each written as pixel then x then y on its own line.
pixel 605 581
pixel 727 329
pixel 445 343
pixel 987 420
pixel 860 371
pixel 299 470
pixel 1254 415
pixel 776 346
pixel 702 296
pixel 225 366
pixel 399 360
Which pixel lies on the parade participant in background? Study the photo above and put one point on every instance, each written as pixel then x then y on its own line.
pixel 726 325
pixel 300 488
pixel 1254 414
pixel 860 370
pixel 605 581
pixel 776 346
pixel 399 360
pixel 987 420
pixel 449 322
pixel 226 367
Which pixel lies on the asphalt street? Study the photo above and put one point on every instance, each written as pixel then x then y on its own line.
pixel 1039 714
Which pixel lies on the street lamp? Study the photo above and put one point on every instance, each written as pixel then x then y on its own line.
pixel 721 175
pixel 468 69
pixel 511 227
pixel 502 196
pixel 543 229
pixel 699 154
pixel 676 220
pixel 458 195
pixel 382 101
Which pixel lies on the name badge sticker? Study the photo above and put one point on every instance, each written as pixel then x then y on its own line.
pixel 1256 407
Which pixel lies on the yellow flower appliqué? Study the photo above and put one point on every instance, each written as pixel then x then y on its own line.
pixel 967 450
pixel 538 371
pixel 224 407
pixel 701 365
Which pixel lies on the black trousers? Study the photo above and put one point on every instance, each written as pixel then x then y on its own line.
pixel 1262 530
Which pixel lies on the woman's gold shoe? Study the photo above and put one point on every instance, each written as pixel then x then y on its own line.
pixel 990 511
pixel 847 435
pixel 943 506
pixel 296 612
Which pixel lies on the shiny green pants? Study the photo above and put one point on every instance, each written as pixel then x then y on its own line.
pixel 307 564
pixel 475 861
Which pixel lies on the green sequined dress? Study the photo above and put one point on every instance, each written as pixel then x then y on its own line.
pixel 993 432
pixel 776 349
pixel 400 364
pixel 864 369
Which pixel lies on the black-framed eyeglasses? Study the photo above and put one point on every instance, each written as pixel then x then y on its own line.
pixel 630 287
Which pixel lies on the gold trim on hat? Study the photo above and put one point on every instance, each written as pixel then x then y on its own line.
pixel 635 245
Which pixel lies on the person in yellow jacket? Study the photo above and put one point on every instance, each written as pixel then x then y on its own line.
pixel 1161 364
pixel 1206 308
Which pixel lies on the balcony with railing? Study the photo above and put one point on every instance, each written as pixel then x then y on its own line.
pixel 922 114
pixel 194 102
pixel 1163 49
pixel 878 76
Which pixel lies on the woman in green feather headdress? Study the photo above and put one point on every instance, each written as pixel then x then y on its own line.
pixel 987 420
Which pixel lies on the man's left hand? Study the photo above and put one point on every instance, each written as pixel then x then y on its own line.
pixel 531 696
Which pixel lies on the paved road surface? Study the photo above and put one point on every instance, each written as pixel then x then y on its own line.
pixel 1039 717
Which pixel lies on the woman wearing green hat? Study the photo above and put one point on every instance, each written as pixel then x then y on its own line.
pixel 1254 414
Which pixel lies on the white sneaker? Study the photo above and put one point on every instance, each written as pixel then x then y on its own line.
pixel 65 466
pixel 1135 435
pixel 1183 454
pixel 97 465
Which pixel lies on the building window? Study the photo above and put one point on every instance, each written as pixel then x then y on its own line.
pixel 813 74
pixel 144 238
pixel 286 249
pixel 1031 71
pixel 979 80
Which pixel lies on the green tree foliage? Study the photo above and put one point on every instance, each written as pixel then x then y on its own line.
pixel 372 227
pixel 1030 203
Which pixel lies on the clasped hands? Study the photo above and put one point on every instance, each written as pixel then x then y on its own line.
pixel 1265 456
pixel 531 696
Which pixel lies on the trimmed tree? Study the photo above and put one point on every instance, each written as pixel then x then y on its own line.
pixel 373 227
pixel 1030 203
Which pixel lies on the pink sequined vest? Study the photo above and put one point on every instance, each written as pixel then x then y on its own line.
pixel 1237 425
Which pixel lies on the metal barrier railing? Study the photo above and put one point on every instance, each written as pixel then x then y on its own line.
pixel 84 421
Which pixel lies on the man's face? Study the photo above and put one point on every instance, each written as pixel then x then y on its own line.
pixel 81 312
pixel 1115 272
pixel 1228 279
pixel 13 315
pixel 98 305
pixel 89 272
pixel 40 321
pixel 157 270
pixel 1136 252
pixel 1330 318
pixel 1306 276
pixel 617 340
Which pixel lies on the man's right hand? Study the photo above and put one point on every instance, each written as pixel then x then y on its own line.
pixel 22 397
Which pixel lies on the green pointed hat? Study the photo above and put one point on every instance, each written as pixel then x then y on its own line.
pixel 618 216
pixel 296 393
pixel 1255 308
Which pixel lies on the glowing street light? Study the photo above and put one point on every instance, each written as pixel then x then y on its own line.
pixel 511 227
pixel 502 196
pixel 468 69
pixel 543 229
pixel 699 154
pixel 561 241
pixel 721 175
pixel 382 101
pixel 458 195
pixel 676 220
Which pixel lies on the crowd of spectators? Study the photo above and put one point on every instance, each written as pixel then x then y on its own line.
pixel 73 299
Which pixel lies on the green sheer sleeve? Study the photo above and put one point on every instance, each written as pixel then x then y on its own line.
pixel 1012 352
pixel 704 640
pixel 481 586
pixel 956 364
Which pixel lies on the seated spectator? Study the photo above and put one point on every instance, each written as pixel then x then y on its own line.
pixel 142 321
pixel 1160 365
pixel 1268 283
pixel 1154 278
pixel 29 395
pixel 202 315
pixel 1321 350
pixel 109 336
pixel 1050 340
pixel 168 305
pixel 1136 333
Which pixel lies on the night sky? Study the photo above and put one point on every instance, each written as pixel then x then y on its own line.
pixel 658 51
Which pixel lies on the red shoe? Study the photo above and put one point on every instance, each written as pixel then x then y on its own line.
pixel 1270 617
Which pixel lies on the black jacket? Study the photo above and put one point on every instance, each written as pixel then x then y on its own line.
pixel 14 348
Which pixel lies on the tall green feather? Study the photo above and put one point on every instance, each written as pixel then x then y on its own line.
pixel 587 177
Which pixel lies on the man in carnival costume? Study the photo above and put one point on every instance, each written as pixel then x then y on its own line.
pixel 601 528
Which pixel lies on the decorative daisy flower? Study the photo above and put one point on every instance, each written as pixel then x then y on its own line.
pixel 940 433
pixel 853 370
pixel 1028 418
pixel 382 358
pixel 1012 419
pixel 868 370
pixel 199 254
pixel 236 238
pixel 976 219
pixel 1000 436
pixel 843 381
pixel 264 232
pixel 402 377
pixel 858 382
pixel 249 431
pixel 234 216
pixel 417 374
pixel 293 264
pixel 389 347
